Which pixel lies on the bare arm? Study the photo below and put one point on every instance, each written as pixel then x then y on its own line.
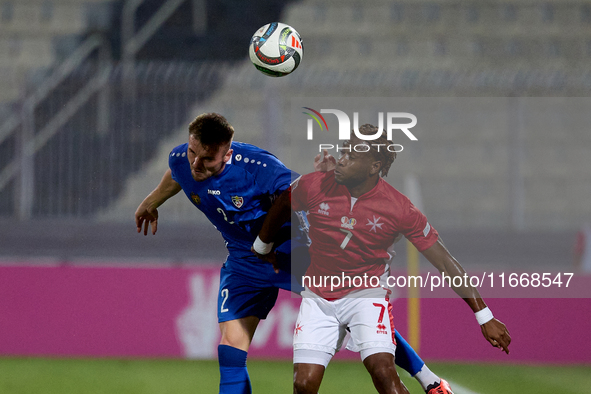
pixel 439 256
pixel 147 212
pixel 277 216
pixel 494 331
pixel 280 212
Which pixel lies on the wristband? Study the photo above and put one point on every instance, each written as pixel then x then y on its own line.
pixel 261 247
pixel 483 316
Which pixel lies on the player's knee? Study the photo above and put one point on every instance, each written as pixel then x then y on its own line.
pixel 305 383
pixel 235 339
pixel 237 334
pixel 381 368
pixel 383 374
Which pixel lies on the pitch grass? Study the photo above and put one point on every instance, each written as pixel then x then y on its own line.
pixel 111 376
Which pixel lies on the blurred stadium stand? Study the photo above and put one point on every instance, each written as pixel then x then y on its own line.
pixel 102 160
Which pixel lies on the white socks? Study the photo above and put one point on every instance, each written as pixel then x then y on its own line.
pixel 426 377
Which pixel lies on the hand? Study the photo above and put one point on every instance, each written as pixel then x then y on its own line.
pixel 328 162
pixel 147 216
pixel 269 258
pixel 496 334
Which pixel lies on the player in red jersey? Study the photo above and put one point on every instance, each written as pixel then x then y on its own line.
pixel 355 216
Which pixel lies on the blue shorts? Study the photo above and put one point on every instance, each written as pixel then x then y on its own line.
pixel 241 296
pixel 293 257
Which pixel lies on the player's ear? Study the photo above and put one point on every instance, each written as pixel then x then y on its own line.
pixel 228 155
pixel 375 168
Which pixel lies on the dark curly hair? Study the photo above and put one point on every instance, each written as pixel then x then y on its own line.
pixel 378 147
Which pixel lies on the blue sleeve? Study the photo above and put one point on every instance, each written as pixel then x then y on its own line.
pixel 176 157
pixel 274 177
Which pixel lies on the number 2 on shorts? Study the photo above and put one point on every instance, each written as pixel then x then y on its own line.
pixel 225 293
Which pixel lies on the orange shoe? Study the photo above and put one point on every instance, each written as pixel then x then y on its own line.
pixel 441 388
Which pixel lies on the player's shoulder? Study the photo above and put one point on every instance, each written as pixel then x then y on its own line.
pixel 178 153
pixel 392 196
pixel 317 178
pixel 250 156
pixel 247 151
pixel 180 148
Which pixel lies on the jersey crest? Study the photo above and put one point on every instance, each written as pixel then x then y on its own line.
pixel 348 222
pixel 237 201
pixel 196 199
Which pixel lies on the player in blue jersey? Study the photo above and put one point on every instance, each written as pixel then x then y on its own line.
pixel 234 185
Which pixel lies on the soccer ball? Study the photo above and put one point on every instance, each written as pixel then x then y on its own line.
pixel 276 49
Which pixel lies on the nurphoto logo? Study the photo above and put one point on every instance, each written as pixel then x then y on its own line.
pixel 395 121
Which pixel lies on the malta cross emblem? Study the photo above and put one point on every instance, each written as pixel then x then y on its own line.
pixel 298 328
pixel 237 201
pixel 374 224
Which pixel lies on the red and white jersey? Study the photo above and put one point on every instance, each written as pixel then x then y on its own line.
pixel 353 240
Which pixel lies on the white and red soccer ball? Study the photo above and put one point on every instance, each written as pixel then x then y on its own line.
pixel 276 49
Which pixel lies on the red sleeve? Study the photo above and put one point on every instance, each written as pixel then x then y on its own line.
pixel 417 229
pixel 302 189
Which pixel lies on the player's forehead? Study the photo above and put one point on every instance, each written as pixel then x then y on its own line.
pixel 202 150
pixel 358 149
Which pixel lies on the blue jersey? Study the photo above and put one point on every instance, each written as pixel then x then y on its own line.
pixel 236 200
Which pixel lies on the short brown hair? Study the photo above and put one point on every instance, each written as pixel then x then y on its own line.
pixel 378 147
pixel 211 130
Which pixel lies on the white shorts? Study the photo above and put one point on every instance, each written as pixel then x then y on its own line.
pixel 322 325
